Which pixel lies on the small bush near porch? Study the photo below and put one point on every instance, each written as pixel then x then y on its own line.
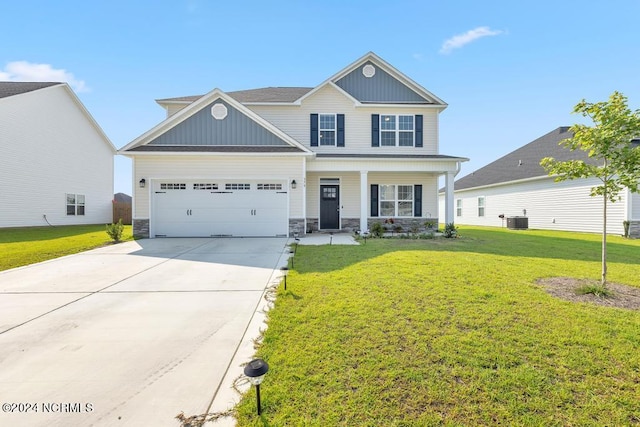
pixel 450 332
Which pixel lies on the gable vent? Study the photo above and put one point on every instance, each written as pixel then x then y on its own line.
pixel 368 71
pixel 219 111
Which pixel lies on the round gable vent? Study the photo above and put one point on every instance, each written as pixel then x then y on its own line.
pixel 369 70
pixel 219 111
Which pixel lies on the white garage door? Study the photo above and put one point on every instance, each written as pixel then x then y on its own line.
pixel 240 208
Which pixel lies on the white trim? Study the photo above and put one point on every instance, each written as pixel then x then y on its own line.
pixel 500 184
pixel 334 130
pixel 396 201
pixel 397 129
pixel 364 205
pixel 212 153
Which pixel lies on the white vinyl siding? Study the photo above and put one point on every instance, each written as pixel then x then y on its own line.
pixel 50 148
pixel 294 120
pixel 549 206
pixel 231 169
pixel 635 206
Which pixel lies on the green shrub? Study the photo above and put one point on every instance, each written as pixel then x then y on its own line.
pixel 115 231
pixel 450 230
pixel 377 229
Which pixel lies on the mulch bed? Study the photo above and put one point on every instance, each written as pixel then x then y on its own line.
pixel 565 288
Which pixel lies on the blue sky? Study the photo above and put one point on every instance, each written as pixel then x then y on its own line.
pixel 510 71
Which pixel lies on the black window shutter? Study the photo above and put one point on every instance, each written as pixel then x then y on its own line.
pixel 314 130
pixel 417 200
pixel 418 130
pixel 375 130
pixel 374 199
pixel 340 139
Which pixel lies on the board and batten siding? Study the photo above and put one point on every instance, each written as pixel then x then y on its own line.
pixel 209 167
pixel 51 148
pixel 294 120
pixel 350 190
pixel 549 205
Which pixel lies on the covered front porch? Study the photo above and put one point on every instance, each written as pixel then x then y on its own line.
pixel 350 194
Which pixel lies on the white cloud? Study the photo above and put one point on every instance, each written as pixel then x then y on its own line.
pixel 460 40
pixel 23 71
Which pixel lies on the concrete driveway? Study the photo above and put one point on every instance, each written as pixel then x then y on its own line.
pixel 131 334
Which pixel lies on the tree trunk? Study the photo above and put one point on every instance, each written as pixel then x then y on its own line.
pixel 604 239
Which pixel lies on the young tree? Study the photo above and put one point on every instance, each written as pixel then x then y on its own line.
pixel 608 142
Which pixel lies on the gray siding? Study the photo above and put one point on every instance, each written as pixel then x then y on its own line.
pixel 203 129
pixel 381 88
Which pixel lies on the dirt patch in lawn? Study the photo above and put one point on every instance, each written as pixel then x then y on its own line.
pixel 565 288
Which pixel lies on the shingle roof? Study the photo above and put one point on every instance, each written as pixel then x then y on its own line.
pixel 524 162
pixel 16 88
pixel 265 94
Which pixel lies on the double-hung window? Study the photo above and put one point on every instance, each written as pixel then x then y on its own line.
pixel 480 206
pixel 396 130
pixel 327 129
pixel 75 204
pixel 396 200
pixel 458 207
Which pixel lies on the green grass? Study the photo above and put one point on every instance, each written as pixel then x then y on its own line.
pixel 450 332
pixel 28 245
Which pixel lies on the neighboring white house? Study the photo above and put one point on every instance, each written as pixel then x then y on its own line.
pixel 516 185
pixel 56 165
pixel 358 148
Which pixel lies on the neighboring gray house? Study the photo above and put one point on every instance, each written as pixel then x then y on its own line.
pixel 516 185
pixel 360 147
pixel 56 164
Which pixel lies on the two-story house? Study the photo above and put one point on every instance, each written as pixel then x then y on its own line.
pixel 360 147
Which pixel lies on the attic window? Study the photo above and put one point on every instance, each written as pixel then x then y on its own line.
pixel 368 71
pixel 219 111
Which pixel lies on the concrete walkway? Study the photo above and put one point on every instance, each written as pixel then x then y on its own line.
pixel 132 334
pixel 328 239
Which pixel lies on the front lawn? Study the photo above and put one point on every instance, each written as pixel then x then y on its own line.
pixel 450 332
pixel 28 245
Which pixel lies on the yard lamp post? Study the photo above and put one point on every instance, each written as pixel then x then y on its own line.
pixel 255 371
pixel 285 270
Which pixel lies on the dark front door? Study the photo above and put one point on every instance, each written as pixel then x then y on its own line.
pixel 329 207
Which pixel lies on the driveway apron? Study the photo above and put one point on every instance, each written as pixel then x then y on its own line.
pixel 131 334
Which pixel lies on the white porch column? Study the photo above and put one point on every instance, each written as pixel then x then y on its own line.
pixel 364 212
pixel 448 197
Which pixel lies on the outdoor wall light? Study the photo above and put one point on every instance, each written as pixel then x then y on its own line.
pixel 143 183
pixel 294 184
pixel 255 371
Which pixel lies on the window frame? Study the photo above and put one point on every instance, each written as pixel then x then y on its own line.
pixel 327 129
pixel 396 200
pixel 78 207
pixel 458 207
pixel 397 131
pixel 482 205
